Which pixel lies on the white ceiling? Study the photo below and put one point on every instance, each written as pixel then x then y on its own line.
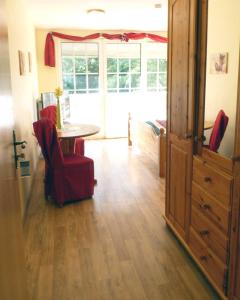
pixel 119 14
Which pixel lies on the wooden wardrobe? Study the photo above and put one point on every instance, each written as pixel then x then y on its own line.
pixel 202 186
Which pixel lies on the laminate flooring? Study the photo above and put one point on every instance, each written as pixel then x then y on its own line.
pixel 113 246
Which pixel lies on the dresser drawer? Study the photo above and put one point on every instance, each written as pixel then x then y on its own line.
pixel 213 266
pixel 209 233
pixel 210 207
pixel 214 181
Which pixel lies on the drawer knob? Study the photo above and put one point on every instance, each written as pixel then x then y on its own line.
pixel 204 232
pixel 203 257
pixel 204 206
pixel 207 179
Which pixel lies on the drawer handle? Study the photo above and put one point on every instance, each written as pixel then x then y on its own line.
pixel 207 179
pixel 204 206
pixel 203 257
pixel 204 232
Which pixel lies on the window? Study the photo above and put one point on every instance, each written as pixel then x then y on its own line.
pixel 80 68
pixel 156 74
pixel 123 68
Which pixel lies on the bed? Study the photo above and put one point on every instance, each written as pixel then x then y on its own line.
pixel 150 138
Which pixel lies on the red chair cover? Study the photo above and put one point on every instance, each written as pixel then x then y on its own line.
pixel 218 131
pixel 67 178
pixel 50 113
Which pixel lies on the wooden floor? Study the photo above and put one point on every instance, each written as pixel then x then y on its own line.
pixel 114 246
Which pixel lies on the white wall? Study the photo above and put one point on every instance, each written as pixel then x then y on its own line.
pixel 21 33
pixel 221 89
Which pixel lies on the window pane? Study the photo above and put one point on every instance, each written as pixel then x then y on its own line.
pixel 162 65
pixel 152 65
pixel 135 65
pixel 67 64
pixel 80 65
pixel 68 83
pixel 123 81
pixel 163 80
pixel 93 81
pixel 123 65
pixel 112 81
pixel 93 65
pixel 135 80
pixel 111 65
pixel 81 82
pixel 152 80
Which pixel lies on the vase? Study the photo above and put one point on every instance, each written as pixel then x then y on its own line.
pixel 59 123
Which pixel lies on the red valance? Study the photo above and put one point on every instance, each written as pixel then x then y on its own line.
pixel 49 55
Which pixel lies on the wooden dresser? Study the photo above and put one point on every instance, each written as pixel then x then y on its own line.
pixel 202 186
pixel 210 217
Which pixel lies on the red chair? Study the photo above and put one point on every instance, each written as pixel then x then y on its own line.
pixel 218 131
pixel 67 178
pixel 50 113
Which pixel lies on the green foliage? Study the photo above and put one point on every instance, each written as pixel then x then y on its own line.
pixel 80 65
pixel 112 81
pixel 93 65
pixel 81 82
pixel 68 83
pixel 111 65
pixel 67 64
pixel 123 65
pixel 152 65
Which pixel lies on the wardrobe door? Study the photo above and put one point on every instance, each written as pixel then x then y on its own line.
pixel 234 280
pixel 181 80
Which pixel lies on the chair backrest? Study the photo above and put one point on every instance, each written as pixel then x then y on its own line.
pixel 218 131
pixel 50 113
pixel 46 134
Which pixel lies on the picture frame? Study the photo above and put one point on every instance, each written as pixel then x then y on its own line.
pixel 21 60
pixel 29 62
pixel 219 63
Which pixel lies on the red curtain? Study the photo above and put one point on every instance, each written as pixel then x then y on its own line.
pixel 49 54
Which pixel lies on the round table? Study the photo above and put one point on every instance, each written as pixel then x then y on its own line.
pixel 69 132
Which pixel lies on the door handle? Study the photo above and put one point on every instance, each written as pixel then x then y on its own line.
pixel 15 144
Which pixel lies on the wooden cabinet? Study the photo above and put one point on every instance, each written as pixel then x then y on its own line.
pixel 202 186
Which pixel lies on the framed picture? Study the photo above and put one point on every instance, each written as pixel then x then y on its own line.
pixel 219 63
pixel 21 60
pixel 29 62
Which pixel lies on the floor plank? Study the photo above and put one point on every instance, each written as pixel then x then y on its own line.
pixel 114 246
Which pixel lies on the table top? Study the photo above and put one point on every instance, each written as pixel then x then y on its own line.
pixel 80 130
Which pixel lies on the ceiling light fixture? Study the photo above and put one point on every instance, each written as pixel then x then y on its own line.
pixel 158 5
pixel 96 11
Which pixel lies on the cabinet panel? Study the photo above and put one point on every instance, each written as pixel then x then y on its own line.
pixel 210 234
pixel 180 11
pixel 178 186
pixel 217 183
pixel 210 207
pixel 213 266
